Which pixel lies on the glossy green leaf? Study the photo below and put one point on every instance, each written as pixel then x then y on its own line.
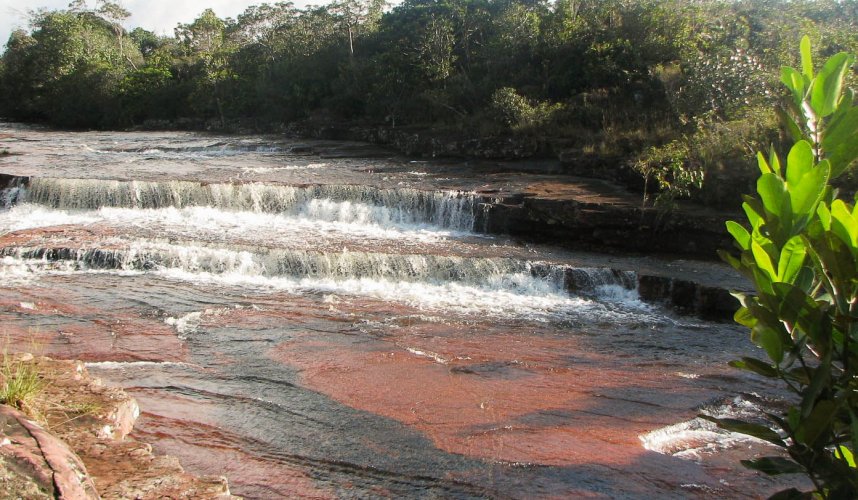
pixel 763 260
pixel 824 216
pixel 791 260
pixel 844 224
pixel 840 130
pixel 828 85
pixel 772 190
pixel 842 157
pixel 754 211
pixel 807 193
pixel 744 317
pixel 844 453
pixel 799 162
pixel 763 164
pixel 740 234
pixel 773 466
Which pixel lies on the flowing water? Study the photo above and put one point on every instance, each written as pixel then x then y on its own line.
pixel 310 324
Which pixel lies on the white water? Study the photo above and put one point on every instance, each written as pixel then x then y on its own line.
pixel 696 438
pixel 388 208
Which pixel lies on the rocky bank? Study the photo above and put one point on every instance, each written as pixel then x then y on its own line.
pixel 71 442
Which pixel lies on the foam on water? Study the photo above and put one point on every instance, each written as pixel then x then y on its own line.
pixel 214 223
pixel 479 286
pixel 696 438
pixel 390 208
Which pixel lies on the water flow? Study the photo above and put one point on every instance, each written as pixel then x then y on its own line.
pixel 346 203
pixel 353 341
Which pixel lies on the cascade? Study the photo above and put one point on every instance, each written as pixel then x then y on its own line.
pixel 357 340
pixel 343 203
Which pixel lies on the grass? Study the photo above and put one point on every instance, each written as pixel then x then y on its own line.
pixel 21 383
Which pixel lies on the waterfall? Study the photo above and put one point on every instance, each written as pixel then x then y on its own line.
pixel 338 203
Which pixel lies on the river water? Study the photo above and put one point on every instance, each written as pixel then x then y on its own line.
pixel 318 319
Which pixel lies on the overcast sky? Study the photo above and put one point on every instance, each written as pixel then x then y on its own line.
pixel 160 16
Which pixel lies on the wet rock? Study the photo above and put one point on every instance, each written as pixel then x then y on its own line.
pixel 687 297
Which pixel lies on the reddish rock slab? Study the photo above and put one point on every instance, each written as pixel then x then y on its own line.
pixel 73 328
pixel 499 397
pixel 35 453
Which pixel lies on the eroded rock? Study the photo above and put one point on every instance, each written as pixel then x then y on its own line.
pixel 81 449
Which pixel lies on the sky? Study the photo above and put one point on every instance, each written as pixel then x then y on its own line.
pixel 160 16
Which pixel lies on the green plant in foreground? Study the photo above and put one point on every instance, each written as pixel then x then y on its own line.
pixel 21 383
pixel 800 249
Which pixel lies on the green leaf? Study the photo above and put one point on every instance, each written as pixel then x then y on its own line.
pixel 763 164
pixel 824 216
pixel 794 81
pixel 806 59
pixel 740 234
pixel 763 260
pixel 755 366
pixel 842 157
pixel 796 307
pixel 843 224
pixel 791 260
pixel 729 259
pixel 799 162
pixel 840 130
pixel 808 191
pixel 844 453
pixel 789 124
pixel 774 465
pixel 770 340
pixel 771 189
pixel 744 317
pixel 754 211
pixel 756 430
pixel 817 423
pixel 828 85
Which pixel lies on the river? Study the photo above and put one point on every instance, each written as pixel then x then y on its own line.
pixel 326 320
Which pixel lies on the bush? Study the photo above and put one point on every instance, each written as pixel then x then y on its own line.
pixel 800 249
pixel 517 113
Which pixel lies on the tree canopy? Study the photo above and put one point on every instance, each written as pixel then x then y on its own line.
pixel 613 77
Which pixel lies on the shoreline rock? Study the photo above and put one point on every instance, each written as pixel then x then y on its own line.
pixel 80 447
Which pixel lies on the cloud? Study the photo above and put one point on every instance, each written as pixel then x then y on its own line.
pixel 160 16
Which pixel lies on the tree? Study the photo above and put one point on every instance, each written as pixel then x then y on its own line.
pixel 205 43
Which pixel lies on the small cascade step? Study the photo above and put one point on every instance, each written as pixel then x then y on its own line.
pixel 345 203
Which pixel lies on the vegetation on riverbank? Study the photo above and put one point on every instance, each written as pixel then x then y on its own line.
pixel 680 89
pixel 20 383
pixel 801 253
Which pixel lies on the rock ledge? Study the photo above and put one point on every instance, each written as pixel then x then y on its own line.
pixel 71 442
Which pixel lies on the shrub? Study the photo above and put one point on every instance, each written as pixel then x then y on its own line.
pixel 800 249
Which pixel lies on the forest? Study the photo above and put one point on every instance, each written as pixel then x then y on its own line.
pixel 673 92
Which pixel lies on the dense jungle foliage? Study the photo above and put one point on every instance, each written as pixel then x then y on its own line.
pixel 677 90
